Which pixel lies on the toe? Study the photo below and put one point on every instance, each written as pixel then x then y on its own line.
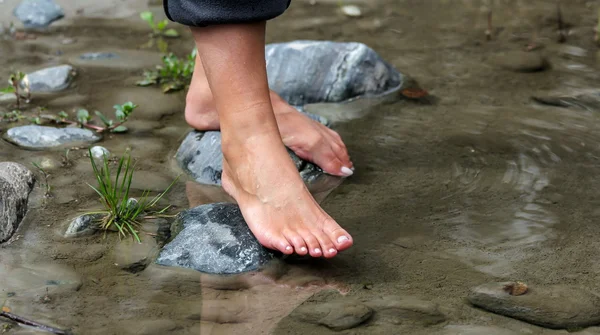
pixel 339 236
pixel 278 243
pixel 297 242
pixel 314 248
pixel 327 246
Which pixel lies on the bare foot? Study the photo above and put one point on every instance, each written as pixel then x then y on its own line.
pixel 310 140
pixel 275 202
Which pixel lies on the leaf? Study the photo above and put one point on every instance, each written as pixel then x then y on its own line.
pixel 162 25
pixel 120 115
pixel 5 309
pixel 83 116
pixel 120 129
pixel 148 17
pixel 36 120
pixel 146 82
pixel 63 115
pixel 106 121
pixel 172 87
pixel 171 33
pixel 9 89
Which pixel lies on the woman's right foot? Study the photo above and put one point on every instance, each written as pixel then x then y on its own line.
pixel 280 211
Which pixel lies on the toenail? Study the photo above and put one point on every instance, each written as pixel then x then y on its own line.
pixel 303 249
pixel 343 239
pixel 346 171
pixel 332 251
pixel 288 248
pixel 317 251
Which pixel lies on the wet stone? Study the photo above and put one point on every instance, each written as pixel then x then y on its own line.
pixel 337 314
pixel 38 13
pixel 521 61
pixel 215 239
pixel 84 225
pixel 201 157
pixel 304 72
pixel 42 137
pixel 16 182
pixel 134 257
pixel 99 153
pixel 51 79
pixel 555 306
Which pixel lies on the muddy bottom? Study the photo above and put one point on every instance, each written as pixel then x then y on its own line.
pixel 482 184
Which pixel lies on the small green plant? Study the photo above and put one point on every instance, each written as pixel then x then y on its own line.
pixel 15 80
pixel 159 31
pixel 173 75
pixel 84 118
pixel 120 212
pixel 13 116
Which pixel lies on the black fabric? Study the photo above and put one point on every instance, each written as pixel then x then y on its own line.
pixel 201 13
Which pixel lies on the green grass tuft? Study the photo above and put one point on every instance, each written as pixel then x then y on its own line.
pixel 118 212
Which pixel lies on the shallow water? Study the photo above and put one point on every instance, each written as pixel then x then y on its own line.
pixel 481 184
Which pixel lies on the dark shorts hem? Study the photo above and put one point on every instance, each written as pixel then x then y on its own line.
pixel 202 13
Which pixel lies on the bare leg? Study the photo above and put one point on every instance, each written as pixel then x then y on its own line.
pixel 309 139
pixel 257 171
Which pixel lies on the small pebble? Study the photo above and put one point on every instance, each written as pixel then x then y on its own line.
pixel 98 152
pixel 351 10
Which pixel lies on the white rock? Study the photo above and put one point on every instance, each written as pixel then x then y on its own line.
pixel 351 10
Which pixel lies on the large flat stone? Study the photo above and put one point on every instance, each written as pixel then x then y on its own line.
pixel 42 137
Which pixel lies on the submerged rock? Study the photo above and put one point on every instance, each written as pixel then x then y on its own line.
pixel 200 156
pixel 38 13
pixel 583 98
pixel 333 311
pixel 304 72
pixel 42 137
pixel 338 315
pixel 52 79
pixel 521 61
pixel 400 310
pixel 214 239
pixel 474 330
pixel 98 55
pixel 16 182
pixel 555 306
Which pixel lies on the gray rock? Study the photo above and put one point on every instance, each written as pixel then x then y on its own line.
pixel 521 61
pixel 98 55
pixel 201 157
pixel 38 13
pixel 399 310
pixel 474 330
pixel 52 79
pixel 555 306
pixel 214 239
pixel 16 182
pixel 305 72
pixel 42 137
pixel 84 225
pixel 339 314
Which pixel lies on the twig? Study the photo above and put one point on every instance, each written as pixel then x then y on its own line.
pixel 33 324
pixel 488 32
pixel 561 30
